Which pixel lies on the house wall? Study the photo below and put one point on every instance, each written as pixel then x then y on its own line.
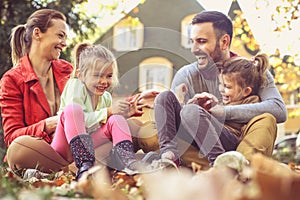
pixel 162 37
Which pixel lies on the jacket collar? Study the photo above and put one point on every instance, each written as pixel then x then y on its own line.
pixel 29 75
pixel 28 72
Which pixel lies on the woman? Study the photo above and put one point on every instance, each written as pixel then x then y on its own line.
pixel 30 92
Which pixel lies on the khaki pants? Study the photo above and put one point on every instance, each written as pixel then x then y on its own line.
pixel 259 136
pixel 27 152
pixel 34 153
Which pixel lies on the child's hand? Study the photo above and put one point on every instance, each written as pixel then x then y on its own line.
pixel 147 97
pixel 136 109
pixel 205 100
pixel 121 107
pixel 129 108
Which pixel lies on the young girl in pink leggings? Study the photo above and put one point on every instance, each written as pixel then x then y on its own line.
pixel 87 119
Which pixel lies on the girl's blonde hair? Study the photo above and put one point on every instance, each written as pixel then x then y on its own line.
pixel 88 56
pixel 21 35
pixel 247 72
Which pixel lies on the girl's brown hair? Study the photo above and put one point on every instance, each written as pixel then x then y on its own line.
pixel 21 35
pixel 247 72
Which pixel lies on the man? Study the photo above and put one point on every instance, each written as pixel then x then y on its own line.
pixel 211 35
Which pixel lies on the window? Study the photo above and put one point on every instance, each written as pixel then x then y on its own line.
pixel 155 73
pixel 128 35
pixel 185 31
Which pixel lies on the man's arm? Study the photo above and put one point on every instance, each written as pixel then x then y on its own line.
pixel 187 82
pixel 180 86
pixel 271 102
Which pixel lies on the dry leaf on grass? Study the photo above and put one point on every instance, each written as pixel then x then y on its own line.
pixel 97 183
pixel 275 180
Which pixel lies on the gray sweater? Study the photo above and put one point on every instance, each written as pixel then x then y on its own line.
pixel 206 80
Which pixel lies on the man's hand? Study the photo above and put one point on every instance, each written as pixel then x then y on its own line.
pixel 180 92
pixel 205 100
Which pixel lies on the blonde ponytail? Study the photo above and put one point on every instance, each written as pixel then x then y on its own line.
pixel 18 43
pixel 76 54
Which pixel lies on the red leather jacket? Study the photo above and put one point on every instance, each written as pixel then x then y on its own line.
pixel 23 103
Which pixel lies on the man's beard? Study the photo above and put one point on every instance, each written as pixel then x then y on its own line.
pixel 214 57
pixel 217 55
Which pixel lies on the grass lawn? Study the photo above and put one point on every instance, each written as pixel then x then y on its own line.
pixel 265 178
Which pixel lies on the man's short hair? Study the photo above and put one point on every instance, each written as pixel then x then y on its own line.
pixel 222 24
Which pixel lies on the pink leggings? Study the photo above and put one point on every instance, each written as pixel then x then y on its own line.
pixel 71 124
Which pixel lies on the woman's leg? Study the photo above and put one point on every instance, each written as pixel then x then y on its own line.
pixel 135 125
pixel 30 152
pixel 102 153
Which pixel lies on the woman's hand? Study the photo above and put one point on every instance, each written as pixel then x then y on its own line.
pixel 50 124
